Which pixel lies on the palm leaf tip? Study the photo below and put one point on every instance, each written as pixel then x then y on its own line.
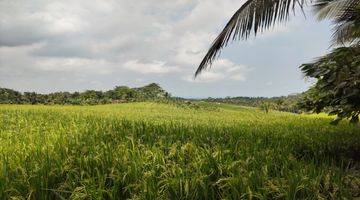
pixel 253 16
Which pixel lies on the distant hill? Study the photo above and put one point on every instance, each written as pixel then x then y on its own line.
pixel 119 94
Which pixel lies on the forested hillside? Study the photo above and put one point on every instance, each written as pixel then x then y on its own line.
pixel 283 103
pixel 88 97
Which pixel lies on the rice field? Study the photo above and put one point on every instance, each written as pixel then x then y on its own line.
pixel 161 151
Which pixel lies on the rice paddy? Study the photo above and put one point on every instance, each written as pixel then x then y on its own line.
pixel 161 151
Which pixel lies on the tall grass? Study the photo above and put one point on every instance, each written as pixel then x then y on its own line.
pixel 159 151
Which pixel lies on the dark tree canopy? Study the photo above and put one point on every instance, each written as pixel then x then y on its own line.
pixel 89 97
pixel 338 84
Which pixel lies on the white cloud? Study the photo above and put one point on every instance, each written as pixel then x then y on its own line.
pixel 190 47
pixel 205 77
pixel 176 32
pixel 269 83
pixel 222 69
pixel 75 65
pixel 155 67
pixel 59 18
pixel 238 77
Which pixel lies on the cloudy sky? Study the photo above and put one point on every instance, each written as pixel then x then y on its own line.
pixel 73 45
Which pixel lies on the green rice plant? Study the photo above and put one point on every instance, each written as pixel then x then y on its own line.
pixel 162 151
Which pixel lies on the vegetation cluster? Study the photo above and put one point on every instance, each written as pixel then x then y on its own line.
pixel 88 97
pixel 337 89
pixel 288 103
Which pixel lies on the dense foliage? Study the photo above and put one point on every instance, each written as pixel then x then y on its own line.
pixel 160 151
pixel 284 103
pixel 337 89
pixel 89 97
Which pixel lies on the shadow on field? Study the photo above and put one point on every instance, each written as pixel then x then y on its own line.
pixel 344 156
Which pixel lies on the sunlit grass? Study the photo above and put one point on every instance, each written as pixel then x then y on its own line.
pixel 160 151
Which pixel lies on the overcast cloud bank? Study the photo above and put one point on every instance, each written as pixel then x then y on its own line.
pixel 74 45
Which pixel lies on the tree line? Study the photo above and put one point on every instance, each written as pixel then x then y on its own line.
pixel 288 103
pixel 89 97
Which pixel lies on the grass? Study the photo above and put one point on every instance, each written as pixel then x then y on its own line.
pixel 160 151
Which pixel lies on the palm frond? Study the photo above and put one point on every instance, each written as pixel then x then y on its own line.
pixel 329 9
pixel 347 32
pixel 253 16
pixel 345 14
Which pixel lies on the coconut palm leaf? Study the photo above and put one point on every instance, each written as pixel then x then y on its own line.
pixel 253 16
pixel 334 8
pixel 346 33
pixel 345 15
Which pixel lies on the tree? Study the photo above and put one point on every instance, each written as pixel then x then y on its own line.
pixel 124 93
pixel 30 98
pixel 58 98
pixel 338 84
pixel 258 15
pixel 91 97
pixel 152 91
pixel 9 96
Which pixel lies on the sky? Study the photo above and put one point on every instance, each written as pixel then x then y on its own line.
pixel 74 45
